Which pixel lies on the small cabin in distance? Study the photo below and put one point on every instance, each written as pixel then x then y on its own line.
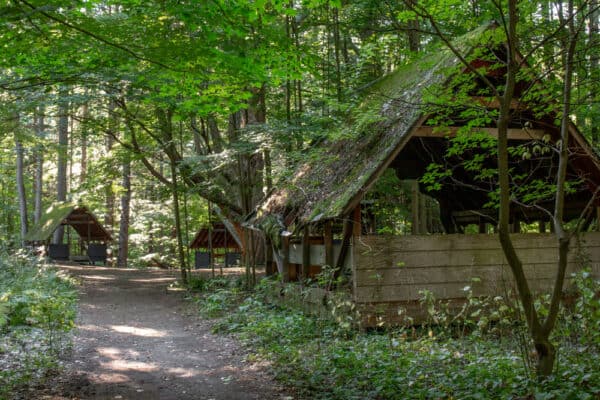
pixel 85 239
pixel 216 244
pixel 323 216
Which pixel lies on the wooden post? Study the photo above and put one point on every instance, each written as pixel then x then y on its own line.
pixel 339 263
pixel 328 241
pixel 356 222
pixel 415 207
pixel 210 246
pixel 305 253
pixel 268 257
pixel 517 226
pixel 542 226
pixel 285 243
pixel 482 227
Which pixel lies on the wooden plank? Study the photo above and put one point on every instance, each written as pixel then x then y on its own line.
pixel 356 221
pixel 454 274
pixel 449 258
pixel 286 258
pixel 451 131
pixel 328 239
pixel 443 291
pixel 305 252
pixel 461 242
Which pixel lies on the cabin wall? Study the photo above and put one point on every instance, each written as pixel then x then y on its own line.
pixel 389 271
pixel 317 258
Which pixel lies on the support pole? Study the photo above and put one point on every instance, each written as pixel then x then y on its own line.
pixel 328 239
pixel 305 253
pixel 210 246
pixel 285 242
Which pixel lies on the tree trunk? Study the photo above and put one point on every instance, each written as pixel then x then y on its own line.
pixel 63 143
pixel 413 31
pixel 109 217
pixel 84 133
pixel 39 166
pixel 180 252
pixel 124 220
pixel 21 183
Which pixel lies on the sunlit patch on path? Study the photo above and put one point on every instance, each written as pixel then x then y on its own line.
pixel 135 341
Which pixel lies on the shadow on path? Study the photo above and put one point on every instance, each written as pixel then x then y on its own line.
pixel 135 341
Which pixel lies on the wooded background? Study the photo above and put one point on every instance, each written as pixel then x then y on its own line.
pixel 146 111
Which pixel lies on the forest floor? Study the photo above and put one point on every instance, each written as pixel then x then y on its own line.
pixel 137 339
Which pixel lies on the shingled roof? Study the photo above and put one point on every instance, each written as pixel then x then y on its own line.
pixel 79 217
pixel 329 184
pixel 335 176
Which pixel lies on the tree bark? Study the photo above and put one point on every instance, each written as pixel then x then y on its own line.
pixel 21 182
pixel 122 256
pixel 63 144
pixel 109 217
pixel 84 133
pixel 39 166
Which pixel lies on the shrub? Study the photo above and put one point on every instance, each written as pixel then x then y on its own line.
pixel 319 357
pixel 37 308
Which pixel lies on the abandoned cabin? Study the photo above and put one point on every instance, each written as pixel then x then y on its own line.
pixel 217 243
pixel 327 213
pixel 85 240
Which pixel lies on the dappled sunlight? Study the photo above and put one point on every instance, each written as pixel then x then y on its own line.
pixel 144 332
pixel 153 280
pixel 183 372
pixel 99 277
pixel 126 365
pixel 109 377
pixel 90 328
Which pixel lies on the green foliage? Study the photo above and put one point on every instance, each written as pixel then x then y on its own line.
pixel 37 309
pixel 475 356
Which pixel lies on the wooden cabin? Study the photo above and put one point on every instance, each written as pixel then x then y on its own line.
pixel 217 243
pixel 321 214
pixel 85 239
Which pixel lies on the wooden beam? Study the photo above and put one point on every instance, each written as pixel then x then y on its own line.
pixel 356 221
pixel 328 239
pixel 339 264
pixel 450 131
pixel 285 242
pixel 305 253
pixel 494 103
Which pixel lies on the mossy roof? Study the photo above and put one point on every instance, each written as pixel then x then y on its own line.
pixel 79 217
pixel 327 185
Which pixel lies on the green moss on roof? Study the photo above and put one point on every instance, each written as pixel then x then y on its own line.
pixel 50 220
pixel 322 188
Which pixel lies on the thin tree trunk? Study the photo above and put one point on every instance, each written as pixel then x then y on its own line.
pixel 124 220
pixel 413 31
pixel 180 252
pixel 63 143
pixel 83 166
pixel 109 218
pixel 39 166
pixel 21 185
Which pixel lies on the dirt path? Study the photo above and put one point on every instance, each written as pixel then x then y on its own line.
pixel 134 340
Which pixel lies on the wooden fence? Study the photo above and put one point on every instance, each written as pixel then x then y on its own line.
pixel 391 271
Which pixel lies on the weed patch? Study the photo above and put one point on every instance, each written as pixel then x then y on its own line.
pixel 325 360
pixel 37 309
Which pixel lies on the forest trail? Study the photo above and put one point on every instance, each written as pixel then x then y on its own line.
pixel 136 340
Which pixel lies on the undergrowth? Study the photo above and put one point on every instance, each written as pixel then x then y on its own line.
pixel 323 359
pixel 37 309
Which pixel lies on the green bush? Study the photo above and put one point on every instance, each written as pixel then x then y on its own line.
pixel 37 308
pixel 479 361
